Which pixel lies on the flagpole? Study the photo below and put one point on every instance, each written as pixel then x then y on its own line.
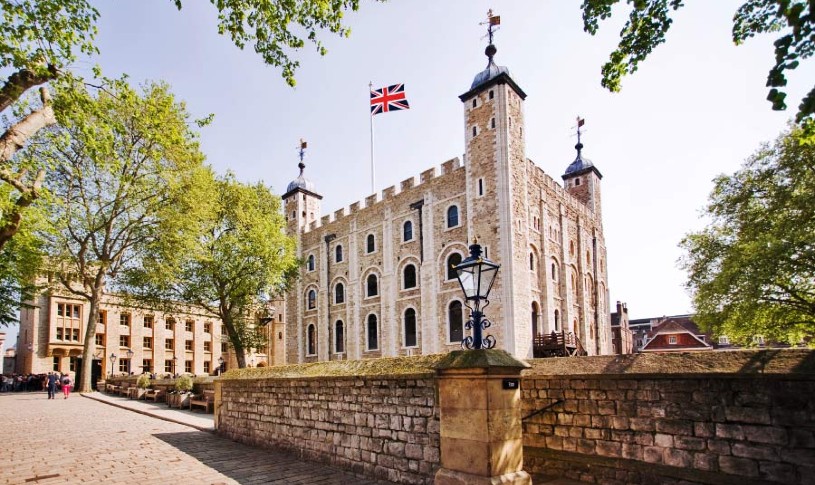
pixel 373 170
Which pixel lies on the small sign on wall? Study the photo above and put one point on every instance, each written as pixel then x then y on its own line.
pixel 511 384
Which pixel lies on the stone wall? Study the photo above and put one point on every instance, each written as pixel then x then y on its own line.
pixel 383 427
pixel 717 417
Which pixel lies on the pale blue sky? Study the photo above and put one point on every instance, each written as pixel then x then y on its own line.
pixel 695 108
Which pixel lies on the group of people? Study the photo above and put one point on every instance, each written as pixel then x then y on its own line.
pixel 51 382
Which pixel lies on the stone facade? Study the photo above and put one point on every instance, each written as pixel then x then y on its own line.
pixel 355 298
pixel 383 427
pixel 690 418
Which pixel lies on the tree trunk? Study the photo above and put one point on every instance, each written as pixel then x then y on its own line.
pixel 234 339
pixel 90 341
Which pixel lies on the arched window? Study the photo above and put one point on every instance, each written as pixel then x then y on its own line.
pixel 371 243
pixel 535 312
pixel 311 340
pixel 373 289
pixel 407 231
pixel 571 248
pixel 452 261
pixel 311 262
pixel 455 322
pixel 410 328
pixel 588 258
pixel 339 293
pixel 338 253
pixel 409 276
pixel 532 261
pixel 557 320
pixel 339 337
pixel 554 272
pixel 373 333
pixel 452 216
pixel 311 300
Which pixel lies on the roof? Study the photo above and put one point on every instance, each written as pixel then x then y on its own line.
pixel 580 165
pixel 492 75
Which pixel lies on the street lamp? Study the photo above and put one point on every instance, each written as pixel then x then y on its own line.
pixel 476 276
pixel 129 361
pixel 220 365
pixel 112 362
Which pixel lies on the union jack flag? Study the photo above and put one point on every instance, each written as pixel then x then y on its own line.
pixel 391 98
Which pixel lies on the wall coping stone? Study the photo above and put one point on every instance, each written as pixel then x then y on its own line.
pixel 478 359
pixel 794 363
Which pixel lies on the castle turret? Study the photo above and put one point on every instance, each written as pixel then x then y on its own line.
pixel 582 179
pixel 301 202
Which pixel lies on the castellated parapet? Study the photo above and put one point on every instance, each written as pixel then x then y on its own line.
pixel 377 277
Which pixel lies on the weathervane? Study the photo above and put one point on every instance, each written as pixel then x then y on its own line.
pixel 580 123
pixel 302 153
pixel 492 22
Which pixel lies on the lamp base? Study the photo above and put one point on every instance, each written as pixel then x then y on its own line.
pixel 452 477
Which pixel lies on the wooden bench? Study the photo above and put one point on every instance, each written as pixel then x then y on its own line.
pixel 157 395
pixel 205 400
pixel 112 388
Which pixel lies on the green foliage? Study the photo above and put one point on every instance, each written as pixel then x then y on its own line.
pixel 272 26
pixel 649 20
pixel 20 263
pixel 752 271
pixel 240 255
pixel 143 382
pixel 183 383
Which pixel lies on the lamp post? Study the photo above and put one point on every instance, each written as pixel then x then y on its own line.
pixel 112 362
pixel 129 361
pixel 476 276
pixel 220 365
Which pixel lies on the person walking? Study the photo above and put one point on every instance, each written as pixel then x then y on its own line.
pixel 66 385
pixel 51 383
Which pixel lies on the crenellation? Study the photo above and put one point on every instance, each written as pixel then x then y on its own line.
pixel 388 193
pixel 408 183
pixel 354 207
pixel 428 174
pixel 450 165
pixel 325 220
pixel 339 213
pixel 371 200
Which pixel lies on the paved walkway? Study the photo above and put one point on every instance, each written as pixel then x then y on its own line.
pixel 81 440
pixel 194 419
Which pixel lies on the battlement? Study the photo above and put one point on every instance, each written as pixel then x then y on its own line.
pixel 386 194
pixel 549 182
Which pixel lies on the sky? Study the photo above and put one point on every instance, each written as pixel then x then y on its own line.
pixel 695 109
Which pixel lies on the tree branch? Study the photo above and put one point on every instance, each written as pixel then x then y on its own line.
pixel 21 81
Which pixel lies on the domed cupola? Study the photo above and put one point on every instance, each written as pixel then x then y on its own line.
pixel 581 164
pixel 301 182
pixel 492 71
pixel 493 74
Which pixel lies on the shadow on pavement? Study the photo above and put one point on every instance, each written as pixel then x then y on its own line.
pixel 245 464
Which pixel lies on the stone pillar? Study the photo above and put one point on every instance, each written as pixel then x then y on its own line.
pixel 216 409
pixel 480 420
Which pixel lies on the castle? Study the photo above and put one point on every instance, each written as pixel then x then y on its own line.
pixel 378 278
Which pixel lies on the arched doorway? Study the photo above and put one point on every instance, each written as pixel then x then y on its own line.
pixel 535 313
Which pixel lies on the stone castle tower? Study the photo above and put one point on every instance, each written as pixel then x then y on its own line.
pixel 377 282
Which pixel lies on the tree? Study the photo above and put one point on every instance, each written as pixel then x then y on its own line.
pixel 241 258
pixel 752 270
pixel 649 21
pixel 40 38
pixel 127 171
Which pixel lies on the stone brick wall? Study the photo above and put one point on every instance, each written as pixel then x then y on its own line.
pixel 734 417
pixel 383 427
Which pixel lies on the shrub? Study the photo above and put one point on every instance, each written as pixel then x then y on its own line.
pixel 143 382
pixel 183 383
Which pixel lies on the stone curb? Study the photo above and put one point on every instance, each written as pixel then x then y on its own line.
pixel 146 413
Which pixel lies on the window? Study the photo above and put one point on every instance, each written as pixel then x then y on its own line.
pixel 124 319
pixel 373 337
pixel 338 253
pixel 311 262
pixel 407 231
pixel 207 367
pixel 370 244
pixel 124 340
pixel 724 340
pixel 124 365
pixel 588 258
pixel 492 122
pixel 169 344
pixel 102 318
pixel 148 321
pixel 577 181
pixel 554 272
pixel 373 289
pixel 169 323
pixel 535 313
pixel 672 339
pixel 147 365
pixel 532 261
pixel 409 276
pixel 311 340
pixel 758 340
pixel 339 337
pixel 207 327
pixel 72 364
pixel 571 248
pixel 339 293
pixel 148 342
pixel 452 261
pixel 189 325
pixel 311 302
pixel 168 366
pixel 475 102
pixel 188 366
pixel 557 320
pixel 224 347
pixel 55 364
pixel 455 322
pixel 68 321
pixel 452 216
pixel 188 345
pixel 492 94
pixel 480 187
pixel 100 339
pixel 410 328
pixel 475 131
pixel 223 329
pixel 207 346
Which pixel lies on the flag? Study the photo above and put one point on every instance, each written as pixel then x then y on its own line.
pixel 580 121
pixel 391 98
pixel 495 20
